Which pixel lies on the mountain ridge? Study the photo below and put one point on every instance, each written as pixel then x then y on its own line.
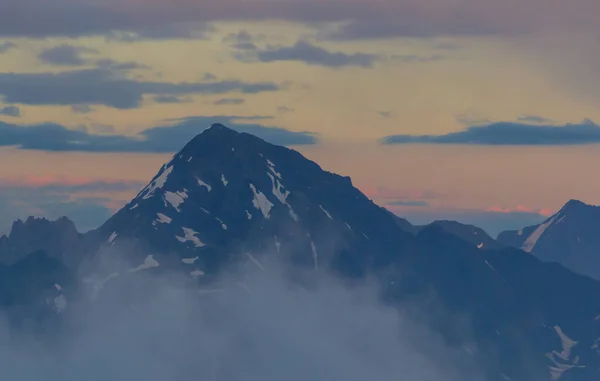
pixel 569 237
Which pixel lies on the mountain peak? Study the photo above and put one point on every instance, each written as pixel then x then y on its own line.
pixel 218 128
pixel 572 203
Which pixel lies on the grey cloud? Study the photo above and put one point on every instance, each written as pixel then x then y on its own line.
pixel 13 111
pixel 284 109
pixel 70 55
pixel 533 119
pixel 82 109
pixel 107 87
pixel 229 101
pixel 171 99
pixel 472 118
pixel 6 46
pixel 109 64
pixel 507 133
pixel 169 138
pixel 164 32
pixel 209 77
pixel 416 27
pixel 413 58
pixel 364 18
pixel 76 19
pixel 65 55
pixel 385 114
pixel 246 325
pixel 102 128
pixel 241 40
pixel 304 51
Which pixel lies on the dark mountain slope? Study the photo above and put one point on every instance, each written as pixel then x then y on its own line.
pixel 570 237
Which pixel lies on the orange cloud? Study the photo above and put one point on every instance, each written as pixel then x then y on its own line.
pixel 520 209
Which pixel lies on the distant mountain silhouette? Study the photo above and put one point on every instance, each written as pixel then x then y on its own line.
pixel 570 237
pixel 58 239
pixel 469 233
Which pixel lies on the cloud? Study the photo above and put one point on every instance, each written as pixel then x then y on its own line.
pixel 209 77
pixel 65 55
pixel 169 138
pixel 70 55
pixel 171 99
pixel 229 101
pixel 82 109
pixel 242 40
pixel 533 119
pixel 306 52
pixel 521 209
pixel 109 87
pixel 284 109
pixel 385 114
pixel 109 64
pixel 249 324
pixel 508 133
pixel 359 19
pixel 13 111
pixel 185 31
pixel 413 58
pixel 6 46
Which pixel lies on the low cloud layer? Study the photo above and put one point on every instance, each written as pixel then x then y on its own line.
pixel 168 138
pixel 305 52
pixel 508 133
pixel 251 324
pixel 65 55
pixel 13 111
pixel 6 46
pixel 363 19
pixel 248 50
pixel 108 85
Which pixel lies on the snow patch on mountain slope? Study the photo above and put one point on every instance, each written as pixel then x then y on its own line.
pixel 196 273
pixel 271 168
pixel 326 212
pixel 189 261
pixel 190 236
pixel 562 360
pixel 163 219
pixel 261 202
pixel 281 195
pixel 149 262
pixel 203 184
pixel 530 242
pixel 175 198
pixel 112 237
pixel 157 183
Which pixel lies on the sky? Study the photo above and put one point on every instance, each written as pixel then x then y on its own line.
pixel 475 110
